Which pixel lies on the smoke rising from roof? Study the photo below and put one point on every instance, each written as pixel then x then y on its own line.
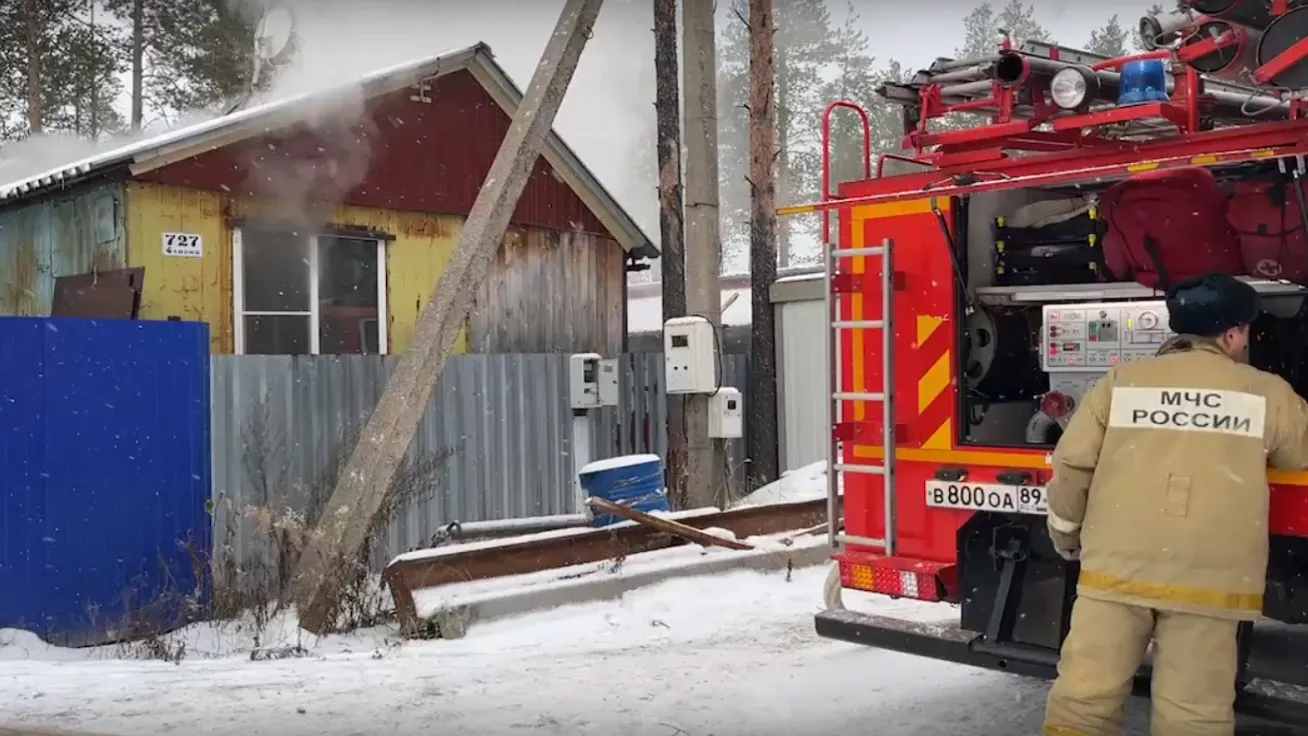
pixel 341 40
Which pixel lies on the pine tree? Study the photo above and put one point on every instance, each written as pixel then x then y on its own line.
pixel 84 102
pixel 733 131
pixel 48 53
pixel 196 54
pixel 1020 22
pixel 805 48
pixel 983 24
pixel 854 82
pixel 980 33
pixel 857 80
pixel 1110 40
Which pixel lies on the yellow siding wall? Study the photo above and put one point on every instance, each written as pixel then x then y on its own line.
pixel 200 289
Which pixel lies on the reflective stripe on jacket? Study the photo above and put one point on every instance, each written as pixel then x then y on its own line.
pixel 1162 472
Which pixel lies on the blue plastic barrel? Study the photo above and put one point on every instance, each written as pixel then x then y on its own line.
pixel 630 480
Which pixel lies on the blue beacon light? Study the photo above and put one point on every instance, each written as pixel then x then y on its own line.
pixel 1143 82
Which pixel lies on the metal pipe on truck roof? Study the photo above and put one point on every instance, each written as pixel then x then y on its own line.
pixel 966 74
pixel 1015 69
pixel 946 65
pixel 1160 31
pixel 967 90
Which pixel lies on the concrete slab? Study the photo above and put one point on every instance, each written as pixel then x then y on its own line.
pixel 453 621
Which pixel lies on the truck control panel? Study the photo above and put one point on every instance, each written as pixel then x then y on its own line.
pixel 1096 337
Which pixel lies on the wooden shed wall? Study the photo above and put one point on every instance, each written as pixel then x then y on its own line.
pixel 201 288
pixel 548 291
pixel 552 291
pixel 62 235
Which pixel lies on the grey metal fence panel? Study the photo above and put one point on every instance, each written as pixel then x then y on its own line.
pixel 495 439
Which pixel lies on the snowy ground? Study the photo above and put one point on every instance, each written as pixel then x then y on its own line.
pixel 690 657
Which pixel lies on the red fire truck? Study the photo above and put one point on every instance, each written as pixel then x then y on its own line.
pixel 971 306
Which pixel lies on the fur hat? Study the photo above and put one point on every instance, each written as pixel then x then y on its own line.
pixel 1211 304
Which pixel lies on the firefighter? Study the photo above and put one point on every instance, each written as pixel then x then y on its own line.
pixel 1160 492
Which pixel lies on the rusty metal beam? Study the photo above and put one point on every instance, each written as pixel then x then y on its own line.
pixel 406 575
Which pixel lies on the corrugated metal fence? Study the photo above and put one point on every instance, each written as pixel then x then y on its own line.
pixel 494 443
pixel 104 445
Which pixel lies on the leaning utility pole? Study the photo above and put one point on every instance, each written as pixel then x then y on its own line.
pixel 706 480
pixel 672 238
pixel 359 494
pixel 761 407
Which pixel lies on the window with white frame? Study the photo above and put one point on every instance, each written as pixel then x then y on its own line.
pixel 297 294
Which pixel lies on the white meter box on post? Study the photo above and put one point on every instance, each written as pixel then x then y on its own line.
pixel 608 382
pixel 583 381
pixel 726 414
pixel 690 356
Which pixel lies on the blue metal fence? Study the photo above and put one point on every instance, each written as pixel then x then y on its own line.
pixel 104 474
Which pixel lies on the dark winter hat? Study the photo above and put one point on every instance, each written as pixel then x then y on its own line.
pixel 1210 305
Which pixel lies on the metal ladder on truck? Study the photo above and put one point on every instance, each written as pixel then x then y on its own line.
pixel 843 432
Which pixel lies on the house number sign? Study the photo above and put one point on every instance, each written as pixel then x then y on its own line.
pixel 183 245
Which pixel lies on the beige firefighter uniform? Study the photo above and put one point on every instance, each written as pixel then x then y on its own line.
pixel 1160 483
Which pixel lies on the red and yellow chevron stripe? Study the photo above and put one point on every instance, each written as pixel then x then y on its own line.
pixel 924 371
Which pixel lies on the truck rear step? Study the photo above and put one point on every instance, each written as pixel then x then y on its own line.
pixel 1274 702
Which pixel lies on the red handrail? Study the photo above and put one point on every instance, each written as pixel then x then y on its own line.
pixel 826 157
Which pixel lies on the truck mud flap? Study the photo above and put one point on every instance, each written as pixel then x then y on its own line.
pixel 1265 707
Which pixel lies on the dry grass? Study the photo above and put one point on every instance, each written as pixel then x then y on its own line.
pixel 244 584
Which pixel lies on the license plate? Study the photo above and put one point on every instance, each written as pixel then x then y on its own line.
pixel 987 497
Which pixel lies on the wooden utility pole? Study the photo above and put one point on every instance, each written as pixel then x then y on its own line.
pixel 366 480
pixel 706 481
pixel 672 233
pixel 761 403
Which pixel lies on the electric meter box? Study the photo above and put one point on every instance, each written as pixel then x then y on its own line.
pixel 584 380
pixel 608 382
pixel 726 414
pixel 690 356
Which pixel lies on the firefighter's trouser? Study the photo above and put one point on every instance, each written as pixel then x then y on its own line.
pixel 1194 671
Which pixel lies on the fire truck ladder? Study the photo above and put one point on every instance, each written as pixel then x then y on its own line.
pixel 834 413
pixel 886 397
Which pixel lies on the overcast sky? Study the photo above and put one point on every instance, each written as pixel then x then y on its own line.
pixel 613 89
pixel 609 107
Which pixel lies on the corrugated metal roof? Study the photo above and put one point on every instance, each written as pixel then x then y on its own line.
pixel 195 139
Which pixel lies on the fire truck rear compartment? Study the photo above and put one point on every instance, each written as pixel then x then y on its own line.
pixel 1013 592
pixel 1001 344
pixel 955 514
pixel 1007 398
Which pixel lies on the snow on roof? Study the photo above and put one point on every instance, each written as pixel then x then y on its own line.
pixel 194 133
pixel 277 114
pixel 801 277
